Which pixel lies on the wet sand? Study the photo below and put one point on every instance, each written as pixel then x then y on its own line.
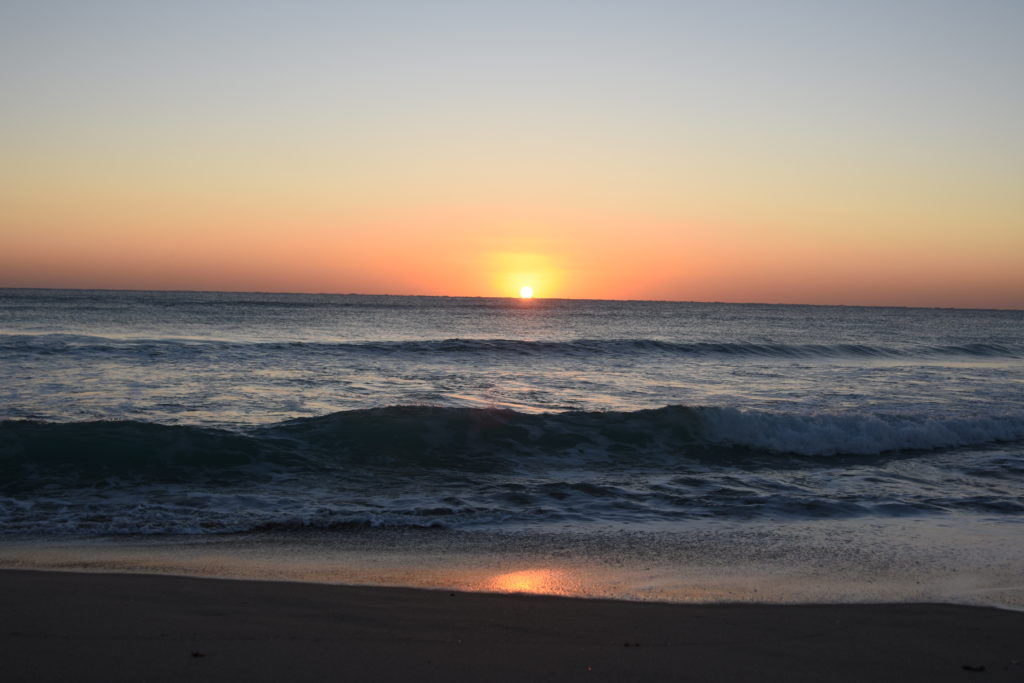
pixel 58 626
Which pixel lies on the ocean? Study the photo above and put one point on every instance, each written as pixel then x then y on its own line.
pixel 646 450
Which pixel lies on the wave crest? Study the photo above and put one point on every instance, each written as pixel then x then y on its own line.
pixel 471 440
pixel 433 467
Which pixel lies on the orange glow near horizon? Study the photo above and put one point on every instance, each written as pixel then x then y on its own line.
pixel 158 240
pixel 687 266
pixel 266 243
pixel 526 275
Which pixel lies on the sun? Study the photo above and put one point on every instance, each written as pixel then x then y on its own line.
pixel 526 292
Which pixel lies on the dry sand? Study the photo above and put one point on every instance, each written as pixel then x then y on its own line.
pixel 57 626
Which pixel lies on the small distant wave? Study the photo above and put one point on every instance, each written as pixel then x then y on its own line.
pixel 64 343
pixel 707 349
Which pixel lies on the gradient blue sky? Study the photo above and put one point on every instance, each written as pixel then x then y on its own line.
pixel 823 152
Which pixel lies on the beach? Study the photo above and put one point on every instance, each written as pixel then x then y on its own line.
pixel 61 626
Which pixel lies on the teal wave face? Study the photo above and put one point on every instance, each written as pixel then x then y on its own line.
pixel 421 466
pixel 485 439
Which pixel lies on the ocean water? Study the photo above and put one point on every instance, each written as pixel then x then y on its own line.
pixel 688 437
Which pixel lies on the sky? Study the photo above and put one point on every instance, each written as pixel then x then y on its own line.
pixel 825 152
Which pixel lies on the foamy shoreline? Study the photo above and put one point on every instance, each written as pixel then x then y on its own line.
pixel 949 559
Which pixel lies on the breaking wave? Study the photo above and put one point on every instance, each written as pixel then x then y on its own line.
pixel 475 439
pixel 421 467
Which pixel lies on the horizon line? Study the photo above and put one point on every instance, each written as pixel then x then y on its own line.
pixel 512 298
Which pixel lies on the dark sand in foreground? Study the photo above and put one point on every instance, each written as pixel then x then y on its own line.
pixel 58 626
